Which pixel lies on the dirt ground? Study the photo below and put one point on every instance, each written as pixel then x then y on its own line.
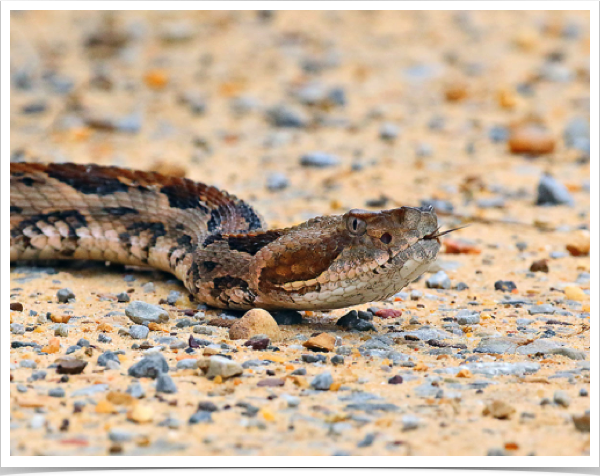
pixel 464 110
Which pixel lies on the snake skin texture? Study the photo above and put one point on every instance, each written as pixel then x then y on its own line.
pixel 212 241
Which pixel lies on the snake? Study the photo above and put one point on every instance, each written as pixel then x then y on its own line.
pixel 216 244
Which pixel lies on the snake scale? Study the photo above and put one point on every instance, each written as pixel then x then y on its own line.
pixel 214 242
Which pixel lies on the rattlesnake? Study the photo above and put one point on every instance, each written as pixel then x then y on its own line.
pixel 212 241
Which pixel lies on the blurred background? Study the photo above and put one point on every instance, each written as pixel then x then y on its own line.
pixel 315 112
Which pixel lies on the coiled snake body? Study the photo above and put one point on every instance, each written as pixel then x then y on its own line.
pixel 212 241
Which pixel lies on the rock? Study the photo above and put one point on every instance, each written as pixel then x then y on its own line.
pixel 221 366
pixel 16 306
pixel 200 417
pixel 389 131
pixel 389 313
pixel 319 160
pixel 505 286
pixel 277 181
pixel 322 381
pixel 395 380
pixel 337 360
pixel 187 364
pixel 312 358
pixel 579 243
pixel 83 343
pixel 466 317
pixel 551 192
pixel 123 297
pixel 142 313
pixel 499 409
pixel 107 356
pixel 150 366
pixel 253 322
pixel 70 366
pixel 582 422
pixel 569 352
pixel 287 318
pixel 285 116
pixel 259 342
pixel 136 390
pixel 165 384
pixel 322 343
pixel 17 328
pixel 271 382
pixel 103 338
pixel 497 345
pixel 138 332
pixel 56 392
pixel 541 309
pixel 141 414
pixel 531 139
pixel 539 346
pixel 439 280
pixel 119 436
pixel 561 398
pixel 410 422
pixel 64 295
pixel 38 421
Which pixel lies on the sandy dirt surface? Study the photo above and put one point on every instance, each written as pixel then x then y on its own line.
pixel 467 111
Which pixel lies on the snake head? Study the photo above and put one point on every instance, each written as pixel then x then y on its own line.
pixel 394 229
pixel 332 262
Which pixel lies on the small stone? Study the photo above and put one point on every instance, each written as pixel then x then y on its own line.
pixel 337 360
pixel 61 330
pixel 259 342
pixel 389 131
pixel 322 381
pixel 321 343
pixel 583 392
pixel 410 422
pixel 187 364
pixel 106 357
pixel 17 328
pixel 58 392
pixel 579 243
pixel 104 338
pixel 64 295
pixel 499 409
pixel 271 382
pixel 505 286
pixel 150 366
pixel 119 436
pixel 291 400
pixel 38 421
pixel 285 116
pixel 70 366
pixel 136 390
pixel 277 181
pixel 575 293
pixel 141 414
pixel 28 364
pixel 439 280
pixel 16 306
pixel 541 309
pixel 388 313
pixel 253 322
pixel 319 160
pixel 83 343
pixel 287 318
pixel 138 332
pixel 148 287
pixel 561 398
pixel 21 388
pixel 165 384
pixel 582 422
pixel 396 380
pixel 466 317
pixel 551 192
pixel 539 266
pixel 141 312
pixel 123 297
pixel 200 417
pixel 223 367
pixel 531 139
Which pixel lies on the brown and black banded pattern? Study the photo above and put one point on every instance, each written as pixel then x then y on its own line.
pixel 215 243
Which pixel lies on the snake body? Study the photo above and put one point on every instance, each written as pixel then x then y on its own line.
pixel 214 242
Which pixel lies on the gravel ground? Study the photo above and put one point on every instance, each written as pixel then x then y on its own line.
pixel 484 115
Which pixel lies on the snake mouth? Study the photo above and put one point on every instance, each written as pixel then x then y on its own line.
pixel 434 235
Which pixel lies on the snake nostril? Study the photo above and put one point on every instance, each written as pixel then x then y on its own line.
pixel 386 238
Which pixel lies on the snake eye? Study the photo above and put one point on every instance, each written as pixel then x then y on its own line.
pixel 386 238
pixel 356 226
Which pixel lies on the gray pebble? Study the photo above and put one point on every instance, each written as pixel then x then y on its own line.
pixel 63 295
pixel 150 366
pixel 285 116
pixel 91 390
pixel 148 287
pixel 541 309
pixel 141 312
pixel 187 364
pixel 322 381
pixel 319 160
pixel 277 181
pixel 123 297
pixel 28 364
pixel 39 375
pixel 17 328
pixel 83 342
pixel 37 421
pixel 72 349
pixel 439 280
pixel 224 367
pixel 389 131
pixel 103 338
pixel 61 330
pixel 410 422
pixel 165 384
pixel 200 417
pixel 561 398
pixel 136 390
pixel 424 149
pixel 56 392
pixel 138 332
pixel 22 388
pixel 552 192
pixel 119 436
pixel 173 297
pixel 467 317
pixel 582 392
pixel 291 400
